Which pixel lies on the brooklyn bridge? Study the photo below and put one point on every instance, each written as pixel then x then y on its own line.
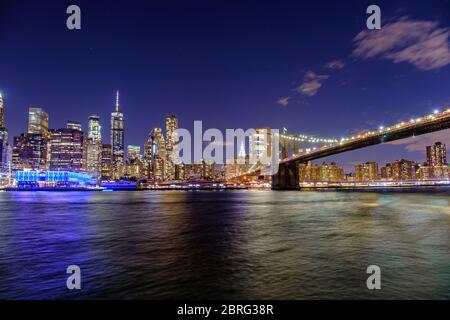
pixel 287 177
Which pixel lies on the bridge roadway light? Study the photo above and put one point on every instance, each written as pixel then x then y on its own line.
pixel 436 111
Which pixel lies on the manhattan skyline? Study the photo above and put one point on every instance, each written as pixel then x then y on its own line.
pixel 164 60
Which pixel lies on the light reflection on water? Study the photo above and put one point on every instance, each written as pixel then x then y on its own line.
pixel 230 245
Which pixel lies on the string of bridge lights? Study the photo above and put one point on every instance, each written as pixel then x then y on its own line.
pixel 381 129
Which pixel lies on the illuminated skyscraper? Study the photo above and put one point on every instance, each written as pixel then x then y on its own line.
pixel 94 128
pixel 74 125
pixel 437 160
pixel 30 152
pixel 2 113
pixel 148 156
pixel 171 131
pixel 4 146
pixel 133 153
pixel 94 146
pixel 37 121
pixel 117 140
pixel 171 148
pixel 159 154
pixel 437 155
pixel 66 149
pixel 106 162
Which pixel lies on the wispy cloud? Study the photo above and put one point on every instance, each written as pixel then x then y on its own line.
pixel 311 83
pixel 421 43
pixel 335 65
pixel 283 101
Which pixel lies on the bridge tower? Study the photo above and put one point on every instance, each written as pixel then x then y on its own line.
pixel 287 177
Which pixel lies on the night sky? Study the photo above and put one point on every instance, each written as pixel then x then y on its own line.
pixel 232 64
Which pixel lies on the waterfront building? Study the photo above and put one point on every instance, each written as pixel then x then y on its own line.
pixel 117 140
pixel 437 160
pixel 4 147
pixel 321 173
pixel 106 162
pixel 53 179
pixel 208 170
pixel 403 170
pixel 171 147
pixel 386 172
pixel 37 121
pixel 66 149
pixel 180 172
pixel 423 172
pixel 94 146
pixel 194 171
pixel 366 172
pixel 30 152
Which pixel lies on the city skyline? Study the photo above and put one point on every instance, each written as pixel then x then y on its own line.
pixel 334 88
pixel 218 151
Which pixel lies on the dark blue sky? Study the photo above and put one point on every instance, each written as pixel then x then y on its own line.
pixel 226 63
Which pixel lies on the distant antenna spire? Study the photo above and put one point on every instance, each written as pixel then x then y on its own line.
pixel 117 101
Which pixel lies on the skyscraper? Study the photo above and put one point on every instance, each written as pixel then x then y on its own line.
pixel 133 153
pixel 4 147
pixel 171 148
pixel 74 125
pixel 37 121
pixel 106 161
pixel 159 154
pixel 66 150
pixel 437 160
pixel 2 113
pixel 94 146
pixel 117 140
pixel 30 152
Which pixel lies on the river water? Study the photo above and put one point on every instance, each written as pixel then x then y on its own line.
pixel 224 244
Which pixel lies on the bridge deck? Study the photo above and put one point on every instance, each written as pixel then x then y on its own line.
pixel 428 124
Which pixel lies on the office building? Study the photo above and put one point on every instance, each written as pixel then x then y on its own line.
pixel 117 140
pixel 2 112
pixel 66 150
pixel 94 146
pixel 437 160
pixel 30 152
pixel 366 172
pixel 106 162
pixel 37 121
pixel 403 170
